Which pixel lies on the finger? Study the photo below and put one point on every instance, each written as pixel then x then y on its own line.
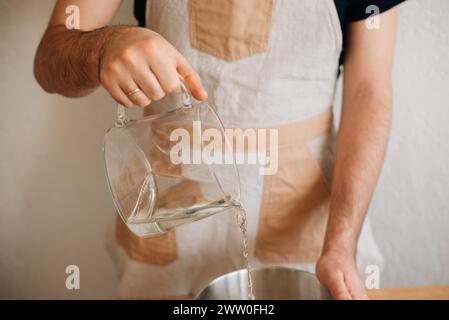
pixel 355 286
pixel 167 77
pixel 359 294
pixel 117 93
pixel 191 78
pixel 138 98
pixel 149 84
pixel 337 286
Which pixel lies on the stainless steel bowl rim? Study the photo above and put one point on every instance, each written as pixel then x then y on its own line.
pixel 273 267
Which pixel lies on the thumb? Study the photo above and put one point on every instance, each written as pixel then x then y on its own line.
pixel 356 287
pixel 337 286
pixel 191 78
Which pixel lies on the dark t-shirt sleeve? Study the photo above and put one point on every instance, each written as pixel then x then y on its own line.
pixel 140 11
pixel 356 9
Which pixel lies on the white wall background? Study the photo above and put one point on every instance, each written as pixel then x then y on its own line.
pixel 54 206
pixel 411 207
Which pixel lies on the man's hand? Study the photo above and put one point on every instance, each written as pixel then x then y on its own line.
pixel 140 58
pixel 338 272
pixel 120 58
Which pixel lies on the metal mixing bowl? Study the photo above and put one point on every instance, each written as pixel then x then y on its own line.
pixel 270 283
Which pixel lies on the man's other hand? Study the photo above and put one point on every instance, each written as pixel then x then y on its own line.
pixel 338 272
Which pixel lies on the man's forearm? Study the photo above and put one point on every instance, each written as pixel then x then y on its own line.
pixel 67 61
pixel 361 144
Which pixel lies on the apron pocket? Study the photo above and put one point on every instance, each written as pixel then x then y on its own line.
pixel 295 204
pixel 230 29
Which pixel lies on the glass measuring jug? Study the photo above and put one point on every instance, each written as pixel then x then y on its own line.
pixel 171 168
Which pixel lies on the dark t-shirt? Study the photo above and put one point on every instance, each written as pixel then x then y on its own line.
pixel 348 11
pixel 355 10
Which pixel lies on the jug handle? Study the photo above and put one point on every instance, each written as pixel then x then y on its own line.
pixel 186 95
pixel 122 119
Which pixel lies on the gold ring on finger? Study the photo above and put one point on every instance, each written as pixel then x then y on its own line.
pixel 137 90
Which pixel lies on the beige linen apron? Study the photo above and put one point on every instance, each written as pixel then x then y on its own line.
pixel 265 64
